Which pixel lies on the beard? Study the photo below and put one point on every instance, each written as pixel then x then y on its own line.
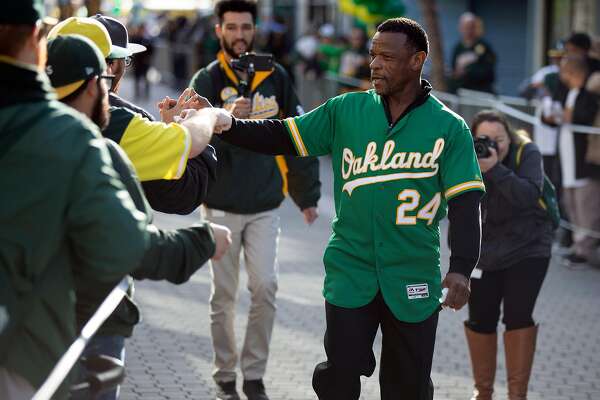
pixel 229 47
pixel 100 112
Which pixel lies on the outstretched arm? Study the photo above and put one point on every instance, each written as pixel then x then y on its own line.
pixel 174 255
pixel 266 136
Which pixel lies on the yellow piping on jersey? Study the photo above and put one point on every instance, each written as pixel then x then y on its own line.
pixel 461 187
pixel 296 136
pixel 283 169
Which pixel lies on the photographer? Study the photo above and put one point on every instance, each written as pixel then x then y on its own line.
pixel 515 252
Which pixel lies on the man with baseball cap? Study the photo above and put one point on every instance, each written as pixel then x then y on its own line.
pixel 180 196
pixel 147 143
pixel 123 50
pixel 60 202
pixel 78 72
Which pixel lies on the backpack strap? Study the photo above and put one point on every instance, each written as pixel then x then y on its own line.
pixel 524 141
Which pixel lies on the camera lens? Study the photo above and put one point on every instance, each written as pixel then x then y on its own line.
pixel 481 149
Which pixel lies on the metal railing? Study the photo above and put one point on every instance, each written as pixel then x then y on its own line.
pixel 68 360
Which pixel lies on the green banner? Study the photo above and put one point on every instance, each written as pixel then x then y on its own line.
pixel 372 11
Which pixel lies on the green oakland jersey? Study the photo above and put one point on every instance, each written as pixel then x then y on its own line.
pixel 391 188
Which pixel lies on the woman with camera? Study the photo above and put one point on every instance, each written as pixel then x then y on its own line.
pixel 515 252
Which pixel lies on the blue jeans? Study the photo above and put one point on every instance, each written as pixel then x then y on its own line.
pixel 112 346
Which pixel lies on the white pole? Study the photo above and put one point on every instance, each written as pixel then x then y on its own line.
pixel 66 362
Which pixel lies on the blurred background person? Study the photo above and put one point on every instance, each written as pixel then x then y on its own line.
pixel 330 49
pixel 177 34
pixel 579 44
pixel 142 61
pixel 541 86
pixel 473 59
pixel 206 42
pixel 515 252
pixel 580 178
pixel 305 50
pixel 354 62
pixel 250 188
pixel 93 7
pixel 276 40
pixel 66 9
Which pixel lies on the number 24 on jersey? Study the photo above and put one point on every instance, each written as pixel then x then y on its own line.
pixel 410 198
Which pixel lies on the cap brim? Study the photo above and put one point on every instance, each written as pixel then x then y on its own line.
pixel 66 90
pixel 556 53
pixel 50 21
pixel 119 52
pixel 135 48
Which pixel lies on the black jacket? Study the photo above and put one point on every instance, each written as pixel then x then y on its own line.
pixel 184 195
pixel 515 227
pixel 248 182
pixel 584 113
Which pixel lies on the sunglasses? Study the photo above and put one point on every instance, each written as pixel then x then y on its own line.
pixel 109 79
pixel 128 61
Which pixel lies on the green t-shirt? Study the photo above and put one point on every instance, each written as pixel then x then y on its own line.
pixel 391 189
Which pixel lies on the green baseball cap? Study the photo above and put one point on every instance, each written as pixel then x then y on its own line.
pixel 26 12
pixel 72 60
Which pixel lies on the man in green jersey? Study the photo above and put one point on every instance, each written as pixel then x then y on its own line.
pixel 401 161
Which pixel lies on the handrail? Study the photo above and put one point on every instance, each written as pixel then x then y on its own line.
pixel 66 362
pixel 475 98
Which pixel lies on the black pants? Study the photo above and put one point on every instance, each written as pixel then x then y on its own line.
pixel 406 354
pixel 516 287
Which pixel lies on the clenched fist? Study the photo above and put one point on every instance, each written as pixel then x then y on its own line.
pixel 222 236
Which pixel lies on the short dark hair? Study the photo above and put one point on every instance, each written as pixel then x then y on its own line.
pixel 415 34
pixel 13 38
pixel 240 6
pixel 581 40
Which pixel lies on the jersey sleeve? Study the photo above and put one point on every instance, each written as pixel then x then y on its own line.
pixel 459 168
pixel 157 150
pixel 312 133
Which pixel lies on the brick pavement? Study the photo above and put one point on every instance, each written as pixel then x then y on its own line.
pixel 170 355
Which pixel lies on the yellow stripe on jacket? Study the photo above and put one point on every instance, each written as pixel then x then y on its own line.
pixel 157 150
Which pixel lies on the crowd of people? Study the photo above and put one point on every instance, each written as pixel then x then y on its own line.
pixel 96 165
pixel 568 91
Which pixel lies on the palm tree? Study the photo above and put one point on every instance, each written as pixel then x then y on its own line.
pixel 430 14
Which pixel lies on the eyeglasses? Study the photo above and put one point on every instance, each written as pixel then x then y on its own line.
pixel 108 78
pixel 127 60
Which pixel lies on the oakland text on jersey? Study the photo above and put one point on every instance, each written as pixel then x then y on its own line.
pixel 352 165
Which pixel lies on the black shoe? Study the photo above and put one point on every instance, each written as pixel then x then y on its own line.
pixel 574 261
pixel 255 390
pixel 226 391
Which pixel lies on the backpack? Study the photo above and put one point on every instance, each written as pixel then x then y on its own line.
pixel 548 200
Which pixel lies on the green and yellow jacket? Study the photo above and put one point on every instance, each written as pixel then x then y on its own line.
pixel 61 205
pixel 248 182
pixel 157 150
pixel 173 255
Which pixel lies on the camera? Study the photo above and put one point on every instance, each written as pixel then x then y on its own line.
pixel 250 63
pixel 483 144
